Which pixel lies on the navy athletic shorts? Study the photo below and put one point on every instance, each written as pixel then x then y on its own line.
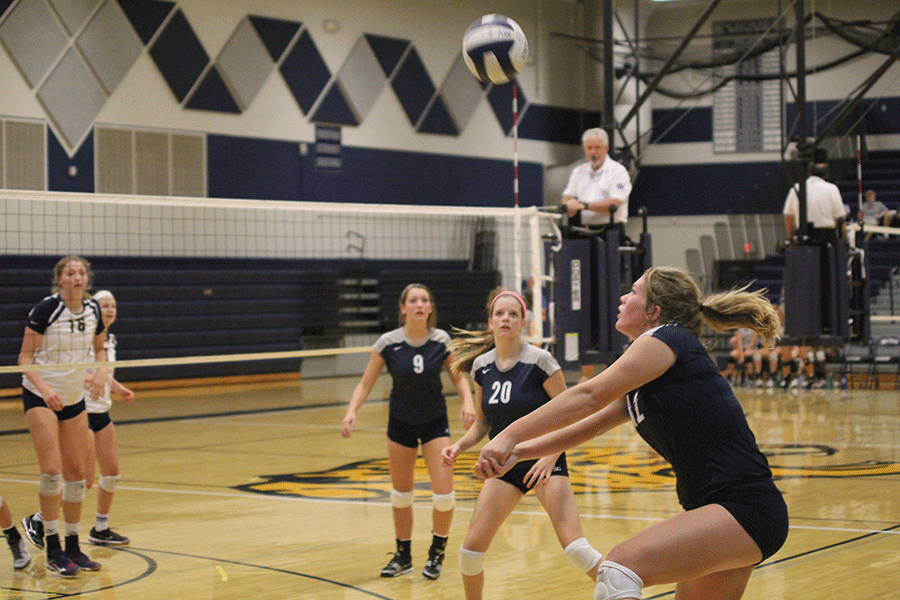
pixel 409 434
pixel 760 509
pixel 516 475
pixel 31 400
pixel 97 421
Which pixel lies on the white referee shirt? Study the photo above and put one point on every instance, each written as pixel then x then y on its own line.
pixel 823 203
pixel 611 180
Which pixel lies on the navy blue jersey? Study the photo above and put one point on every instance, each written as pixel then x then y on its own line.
pixel 508 395
pixel 690 415
pixel 417 394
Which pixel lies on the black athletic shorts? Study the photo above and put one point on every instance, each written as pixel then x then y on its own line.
pixel 516 475
pixel 409 434
pixel 97 421
pixel 760 509
pixel 31 400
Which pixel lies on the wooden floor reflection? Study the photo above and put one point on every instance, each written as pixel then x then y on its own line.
pixel 247 491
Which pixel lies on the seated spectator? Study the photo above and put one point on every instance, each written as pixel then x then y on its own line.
pixel 874 212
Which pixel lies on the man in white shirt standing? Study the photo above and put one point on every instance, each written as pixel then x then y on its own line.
pixel 824 207
pixel 596 185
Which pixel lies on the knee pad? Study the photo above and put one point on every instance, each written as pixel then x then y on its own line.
pixel 50 486
pixel 615 582
pixel 401 499
pixel 810 356
pixel 581 554
pixel 443 502
pixel 820 355
pixel 74 491
pixel 470 563
pixel 108 483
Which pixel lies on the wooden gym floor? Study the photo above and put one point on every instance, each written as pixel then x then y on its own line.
pixel 248 491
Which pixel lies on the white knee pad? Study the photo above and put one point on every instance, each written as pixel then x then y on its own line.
pixel 443 502
pixel 820 355
pixel 615 582
pixel 108 483
pixel 401 499
pixel 470 563
pixel 74 491
pixel 810 356
pixel 51 485
pixel 581 554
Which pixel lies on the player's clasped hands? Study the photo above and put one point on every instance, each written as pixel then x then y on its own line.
pixel 496 457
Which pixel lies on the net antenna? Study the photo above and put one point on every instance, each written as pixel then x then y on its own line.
pixel 517 219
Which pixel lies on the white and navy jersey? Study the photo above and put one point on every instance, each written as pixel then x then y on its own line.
pixel 104 402
pixel 515 392
pixel 690 415
pixel 417 394
pixel 68 338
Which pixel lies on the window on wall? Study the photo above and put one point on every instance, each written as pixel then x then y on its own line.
pixel 23 148
pixel 147 162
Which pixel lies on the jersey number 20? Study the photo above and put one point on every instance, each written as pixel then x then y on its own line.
pixel 500 392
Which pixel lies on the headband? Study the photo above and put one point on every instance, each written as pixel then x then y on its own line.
pixel 514 295
pixel 102 294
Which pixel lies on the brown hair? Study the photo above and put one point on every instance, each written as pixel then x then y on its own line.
pixel 678 298
pixel 432 318
pixel 61 265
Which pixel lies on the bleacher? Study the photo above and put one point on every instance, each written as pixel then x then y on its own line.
pixel 180 307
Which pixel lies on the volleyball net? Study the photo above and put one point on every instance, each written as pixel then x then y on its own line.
pixel 210 287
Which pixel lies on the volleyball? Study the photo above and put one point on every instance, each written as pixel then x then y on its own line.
pixel 494 48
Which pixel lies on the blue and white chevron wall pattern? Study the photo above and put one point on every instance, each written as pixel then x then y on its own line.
pixel 74 53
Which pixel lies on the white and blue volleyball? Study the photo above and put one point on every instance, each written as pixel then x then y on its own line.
pixel 495 49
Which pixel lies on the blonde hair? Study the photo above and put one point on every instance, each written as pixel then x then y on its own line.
pixel 432 318
pixel 472 344
pixel 60 267
pixel 679 300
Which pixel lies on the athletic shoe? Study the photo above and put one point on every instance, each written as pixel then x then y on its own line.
pixel 106 537
pixel 82 561
pixel 34 529
pixel 21 555
pixel 60 562
pixel 398 565
pixel 432 568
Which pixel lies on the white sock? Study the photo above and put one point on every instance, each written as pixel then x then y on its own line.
pixel 101 522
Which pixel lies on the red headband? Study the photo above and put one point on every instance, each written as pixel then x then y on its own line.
pixel 514 295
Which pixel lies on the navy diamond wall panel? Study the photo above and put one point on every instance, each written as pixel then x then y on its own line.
pixel 388 51
pixel 146 16
pixel 179 55
pixel 438 119
pixel 213 94
pixel 334 109
pixel 305 73
pixel 275 34
pixel 413 86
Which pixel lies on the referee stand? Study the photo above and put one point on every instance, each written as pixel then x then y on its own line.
pixel 592 268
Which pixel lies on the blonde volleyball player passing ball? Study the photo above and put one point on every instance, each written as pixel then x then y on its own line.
pixel 513 378
pixel 667 385
pixel 415 354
